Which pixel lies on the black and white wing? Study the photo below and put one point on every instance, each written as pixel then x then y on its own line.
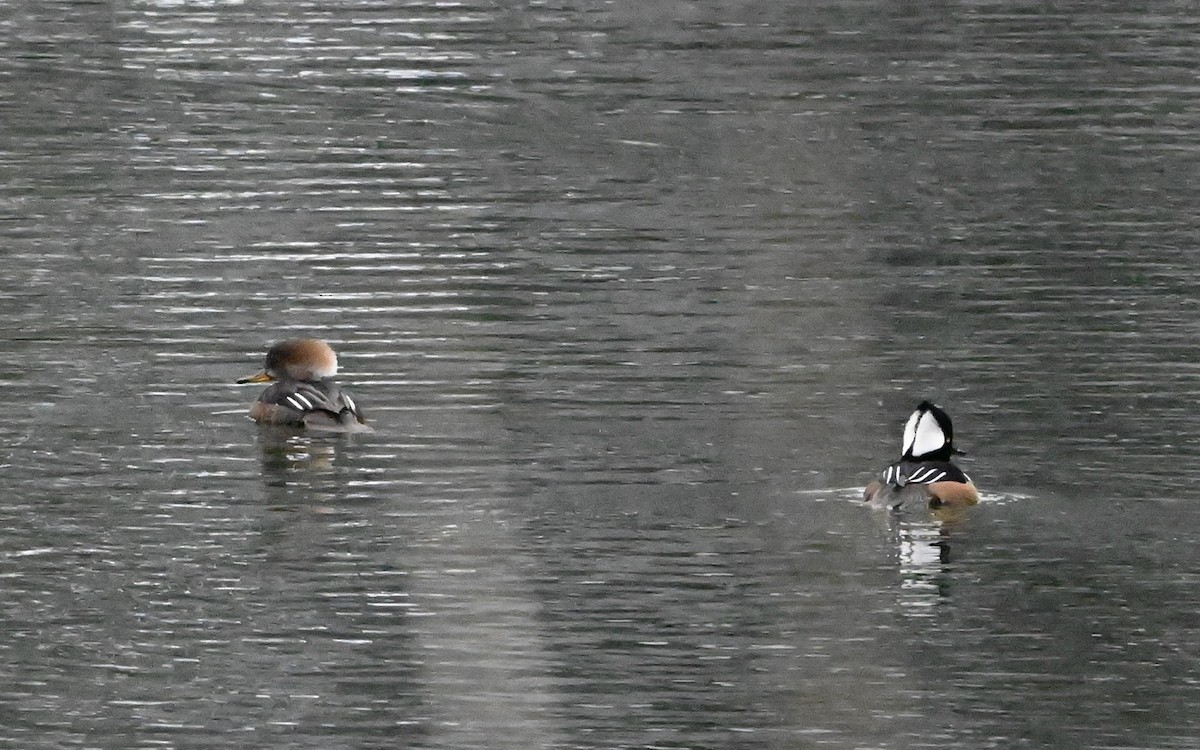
pixel 903 473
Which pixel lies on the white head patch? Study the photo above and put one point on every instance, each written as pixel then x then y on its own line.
pixel 327 368
pixel 922 434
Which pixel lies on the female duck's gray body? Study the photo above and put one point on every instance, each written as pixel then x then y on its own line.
pixel 301 393
pixel 924 474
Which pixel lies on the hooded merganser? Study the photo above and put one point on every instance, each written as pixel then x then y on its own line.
pixel 924 471
pixel 301 395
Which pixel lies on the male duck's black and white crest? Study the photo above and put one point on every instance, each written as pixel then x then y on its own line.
pixel 928 435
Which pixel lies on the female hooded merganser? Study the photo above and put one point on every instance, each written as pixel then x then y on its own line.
pixel 924 471
pixel 301 394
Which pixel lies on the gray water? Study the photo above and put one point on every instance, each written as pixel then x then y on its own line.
pixel 637 296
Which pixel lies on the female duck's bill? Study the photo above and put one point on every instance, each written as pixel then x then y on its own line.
pixel 301 393
pixel 924 472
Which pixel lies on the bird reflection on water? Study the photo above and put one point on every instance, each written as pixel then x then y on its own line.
pixel 302 470
pixel 924 548
pixel 285 452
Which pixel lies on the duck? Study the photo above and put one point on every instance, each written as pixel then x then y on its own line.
pixel 301 393
pixel 924 473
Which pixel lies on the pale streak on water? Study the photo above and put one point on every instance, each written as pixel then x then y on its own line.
pixel 636 296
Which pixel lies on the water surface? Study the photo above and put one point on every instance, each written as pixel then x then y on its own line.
pixel 636 297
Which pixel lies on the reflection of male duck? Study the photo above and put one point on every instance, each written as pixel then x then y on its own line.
pixel 301 393
pixel 924 552
pixel 924 473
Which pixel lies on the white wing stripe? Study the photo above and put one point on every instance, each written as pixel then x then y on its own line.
pixel 926 475
pixel 300 402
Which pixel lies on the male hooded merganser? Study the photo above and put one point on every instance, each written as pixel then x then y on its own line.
pixel 301 395
pixel 924 471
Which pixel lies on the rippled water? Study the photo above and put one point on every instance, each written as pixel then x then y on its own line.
pixel 636 297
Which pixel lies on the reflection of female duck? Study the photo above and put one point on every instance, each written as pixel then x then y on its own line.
pixel 924 472
pixel 301 394
pixel 285 452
